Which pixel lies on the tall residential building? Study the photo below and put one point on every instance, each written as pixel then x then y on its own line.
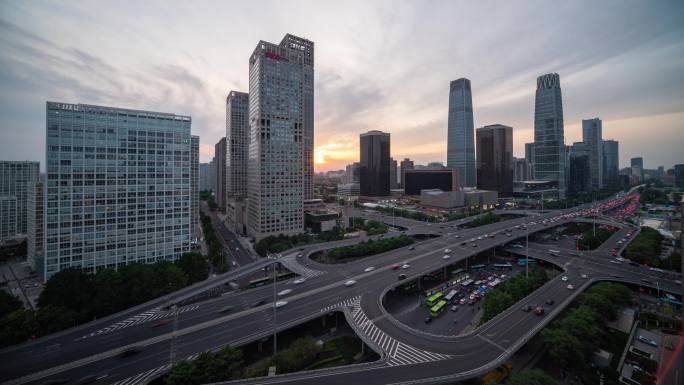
pixel 206 172
pixel 579 168
pixel 461 141
pixel 220 155
pixel 495 159
pixel 611 164
pixel 35 233
pixel 375 164
pixel 549 139
pixel 194 184
pixel 118 187
pixel 280 169
pixel 237 140
pixel 638 168
pixel 393 174
pixel 529 158
pixel 406 164
pixel 15 179
pixel 592 136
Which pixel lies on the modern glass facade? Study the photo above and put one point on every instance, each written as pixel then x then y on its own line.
pixel 461 140
pixel 374 166
pixel 280 96
pixel 637 167
pixel 592 136
pixel 220 167
pixel 579 170
pixel 194 184
pixel 118 187
pixel 35 234
pixel 237 141
pixel 416 180
pixel 15 179
pixel 495 159
pixel 549 139
pixel 611 165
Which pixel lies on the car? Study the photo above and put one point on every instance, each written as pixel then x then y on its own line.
pixel 584 276
pixel 447 251
pixel 299 281
pixel 428 320
pixel 395 267
pixel 285 292
pixel 226 309
pixel 570 287
pixel 132 350
pixel 564 278
pixel 411 247
pixel 454 308
pixel 402 276
pixel 538 310
pixel 647 340
pixel 405 266
pixel 280 304
pixel 447 256
pixel 479 238
pixel 259 303
pixel 615 262
pixel 474 245
pixel 160 322
pixel 457 236
pixel 464 243
pixel 351 282
pixel 369 268
pixel 550 302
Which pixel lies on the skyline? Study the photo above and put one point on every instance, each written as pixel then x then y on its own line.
pixel 386 68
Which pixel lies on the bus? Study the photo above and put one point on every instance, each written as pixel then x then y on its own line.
pixel 438 308
pixel 409 285
pixel 477 267
pixel 457 273
pixel 284 276
pixel 523 262
pixel 467 283
pixel 503 266
pixel 450 296
pixel 432 300
pixel 260 282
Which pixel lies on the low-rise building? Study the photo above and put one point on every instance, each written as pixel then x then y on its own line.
pixel 480 199
pixel 436 198
pixel 318 221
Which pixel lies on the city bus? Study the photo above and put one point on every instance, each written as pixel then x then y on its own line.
pixel 432 300
pixel 438 308
pixel 477 267
pixel 409 285
pixel 467 283
pixel 450 296
pixel 457 273
pixel 260 282
pixel 523 262
pixel 503 266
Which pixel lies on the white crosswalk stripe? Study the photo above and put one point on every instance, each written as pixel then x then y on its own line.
pixel 142 378
pixel 147 316
pixel 290 262
pixel 398 353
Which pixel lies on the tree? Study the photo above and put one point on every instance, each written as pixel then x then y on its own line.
pixel 138 283
pixel 8 303
pixel 496 302
pixel 16 327
pixel 107 292
pixel 167 278
pixel 531 377
pixel 564 348
pixel 226 364
pixel 195 267
pixel 70 288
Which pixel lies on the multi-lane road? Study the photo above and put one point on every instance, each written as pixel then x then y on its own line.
pixel 406 354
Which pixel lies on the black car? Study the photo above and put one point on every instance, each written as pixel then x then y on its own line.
pixel 259 303
pixel 550 302
pixel 402 276
pixel 132 350
pixel 428 320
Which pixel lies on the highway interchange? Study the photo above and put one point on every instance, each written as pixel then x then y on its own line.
pixel 407 355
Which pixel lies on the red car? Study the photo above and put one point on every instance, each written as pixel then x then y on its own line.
pixel 160 322
pixel 395 267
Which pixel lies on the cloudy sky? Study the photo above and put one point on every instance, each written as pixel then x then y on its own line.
pixel 379 65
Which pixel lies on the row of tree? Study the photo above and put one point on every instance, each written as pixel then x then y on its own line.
pixel 512 291
pixel 530 377
pixel 71 296
pixel 571 340
pixel 411 214
pixel 645 248
pixel 370 247
pixel 214 245
pixel 591 241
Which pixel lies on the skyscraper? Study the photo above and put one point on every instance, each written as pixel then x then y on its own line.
pixel 220 155
pixel 118 187
pixel 35 233
pixel 549 139
pixel 529 158
pixel 592 136
pixel 406 164
pixel 495 159
pixel 679 176
pixel 375 164
pixel 237 143
pixel 520 168
pixel 611 165
pixel 280 168
pixel 352 173
pixel 638 168
pixel 15 179
pixel 460 141
pixel 393 173
pixel 194 184
pixel 579 170
pixel 207 174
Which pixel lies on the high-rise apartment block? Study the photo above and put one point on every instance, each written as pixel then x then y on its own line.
pixel 118 187
pixel 495 159
pixel 393 174
pixel 520 167
pixel 15 179
pixel 592 136
pixel 375 164
pixel 280 168
pixel 220 155
pixel 611 164
pixel 207 175
pixel 579 168
pixel 35 233
pixel 194 184
pixel 549 139
pixel 461 141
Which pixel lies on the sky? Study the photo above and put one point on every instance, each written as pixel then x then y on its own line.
pixel 379 65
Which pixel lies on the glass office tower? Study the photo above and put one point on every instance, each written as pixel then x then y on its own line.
pixel 118 187
pixel 549 139
pixel 15 179
pixel 460 140
pixel 374 164
pixel 592 136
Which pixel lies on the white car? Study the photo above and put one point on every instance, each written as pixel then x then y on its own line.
pixel 479 238
pixel 446 256
pixel 281 304
pixel 351 282
pixel 564 278
pixel 584 276
pixel 457 236
pixel 570 287
pixel 369 268
pixel 285 292
pixel 447 251
pixel 299 281
pixel 405 266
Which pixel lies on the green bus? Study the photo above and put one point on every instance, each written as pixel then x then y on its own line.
pixel 435 310
pixel 432 300
pixel 260 282
pixel 457 273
